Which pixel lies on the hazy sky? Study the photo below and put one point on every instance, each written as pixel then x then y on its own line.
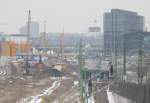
pixel 73 15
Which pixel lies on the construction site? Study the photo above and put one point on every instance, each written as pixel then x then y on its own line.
pixel 74 69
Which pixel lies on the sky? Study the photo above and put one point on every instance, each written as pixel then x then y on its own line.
pixel 72 15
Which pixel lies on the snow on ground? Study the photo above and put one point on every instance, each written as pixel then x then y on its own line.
pixel 37 98
pixel 91 99
pixel 115 98
pixel 110 97
pixel 72 97
pixel 76 83
pixel 59 78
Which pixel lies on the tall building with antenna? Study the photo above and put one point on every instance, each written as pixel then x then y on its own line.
pixel 34 31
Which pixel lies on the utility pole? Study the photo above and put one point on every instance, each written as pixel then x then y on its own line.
pixel 45 26
pixel 124 57
pixel 114 45
pixel 61 52
pixel 140 60
pixel 62 45
pixel 29 30
pixel 147 89
pixel 80 59
pixel 85 77
pixel 60 55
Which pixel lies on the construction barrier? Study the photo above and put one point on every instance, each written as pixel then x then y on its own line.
pixel 10 48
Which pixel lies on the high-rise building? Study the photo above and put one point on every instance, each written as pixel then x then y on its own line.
pixel 34 29
pixel 116 23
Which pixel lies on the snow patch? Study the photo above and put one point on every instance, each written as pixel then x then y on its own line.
pixel 115 98
pixel 110 97
pixel 37 98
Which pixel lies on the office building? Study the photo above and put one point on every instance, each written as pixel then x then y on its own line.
pixel 116 23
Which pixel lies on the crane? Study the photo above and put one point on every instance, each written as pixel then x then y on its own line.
pixel 28 42
pixel 45 42
pixel 60 58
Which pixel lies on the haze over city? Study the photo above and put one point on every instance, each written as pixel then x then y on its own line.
pixel 74 51
pixel 73 15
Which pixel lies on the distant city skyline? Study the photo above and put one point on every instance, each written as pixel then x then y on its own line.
pixel 72 15
pixel 34 32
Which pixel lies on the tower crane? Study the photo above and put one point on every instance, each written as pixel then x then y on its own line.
pixel 28 42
